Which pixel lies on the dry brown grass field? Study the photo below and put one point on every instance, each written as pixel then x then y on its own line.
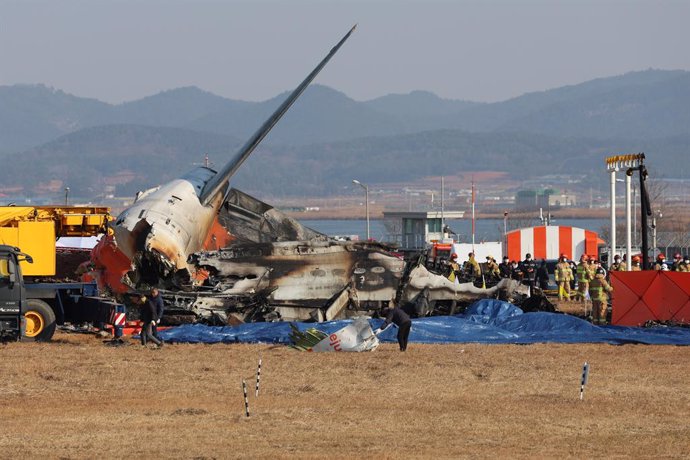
pixel 76 398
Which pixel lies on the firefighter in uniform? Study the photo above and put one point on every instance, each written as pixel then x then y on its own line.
pixel 583 277
pixel 563 274
pixel 660 261
pixel 677 260
pixel 592 266
pixel 635 267
pixel 598 291
pixel 684 266
pixel 617 265
pixel 453 267
pixel 491 269
pixel 472 269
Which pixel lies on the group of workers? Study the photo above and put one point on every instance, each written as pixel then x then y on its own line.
pixel 527 271
pixel 589 276
pixel 591 281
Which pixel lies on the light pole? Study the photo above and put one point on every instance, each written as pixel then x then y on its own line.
pixel 658 213
pixel 366 191
pixel 66 196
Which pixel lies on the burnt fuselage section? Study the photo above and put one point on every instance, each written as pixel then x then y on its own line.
pixel 304 273
pixel 322 280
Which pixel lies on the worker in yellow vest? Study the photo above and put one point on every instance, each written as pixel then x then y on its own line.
pixel 636 267
pixel 491 269
pixel 660 262
pixel 563 275
pixel 583 278
pixel 471 268
pixel 453 268
pixel 617 265
pixel 598 291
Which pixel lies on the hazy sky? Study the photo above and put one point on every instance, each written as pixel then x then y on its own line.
pixel 118 50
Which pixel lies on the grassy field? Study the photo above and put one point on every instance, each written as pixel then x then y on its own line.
pixel 76 398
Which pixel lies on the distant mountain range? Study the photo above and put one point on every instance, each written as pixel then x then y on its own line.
pixel 46 134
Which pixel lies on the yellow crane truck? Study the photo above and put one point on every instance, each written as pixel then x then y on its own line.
pixel 32 302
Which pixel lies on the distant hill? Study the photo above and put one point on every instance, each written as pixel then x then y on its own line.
pixel 650 109
pixel 320 115
pixel 176 107
pixel 418 104
pixel 652 103
pixel 132 158
pixel 327 138
pixel 638 105
pixel 33 114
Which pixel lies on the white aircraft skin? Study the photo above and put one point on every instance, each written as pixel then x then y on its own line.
pixel 174 219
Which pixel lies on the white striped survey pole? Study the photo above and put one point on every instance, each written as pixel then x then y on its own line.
pixel 258 376
pixel 246 399
pixel 583 382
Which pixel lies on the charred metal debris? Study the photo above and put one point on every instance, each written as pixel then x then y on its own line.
pixel 267 275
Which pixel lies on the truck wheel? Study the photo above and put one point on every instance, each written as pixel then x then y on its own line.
pixel 40 321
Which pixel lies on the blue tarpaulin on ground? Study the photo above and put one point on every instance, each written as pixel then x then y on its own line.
pixel 485 321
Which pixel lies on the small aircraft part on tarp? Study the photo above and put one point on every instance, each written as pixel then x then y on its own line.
pixel 356 336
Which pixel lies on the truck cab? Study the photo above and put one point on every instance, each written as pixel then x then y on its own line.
pixel 12 293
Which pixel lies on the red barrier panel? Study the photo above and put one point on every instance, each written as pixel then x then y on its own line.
pixel 639 297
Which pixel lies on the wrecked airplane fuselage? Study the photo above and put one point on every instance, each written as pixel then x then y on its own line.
pixel 321 280
pixel 172 237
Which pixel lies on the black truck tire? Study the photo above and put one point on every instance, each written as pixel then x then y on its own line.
pixel 39 321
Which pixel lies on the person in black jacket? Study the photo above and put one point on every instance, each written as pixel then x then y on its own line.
pixel 159 307
pixel 505 268
pixel 543 276
pixel 401 319
pixel 529 268
pixel 147 314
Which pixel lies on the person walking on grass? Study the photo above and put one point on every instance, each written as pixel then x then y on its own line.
pixel 148 317
pixel 156 300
